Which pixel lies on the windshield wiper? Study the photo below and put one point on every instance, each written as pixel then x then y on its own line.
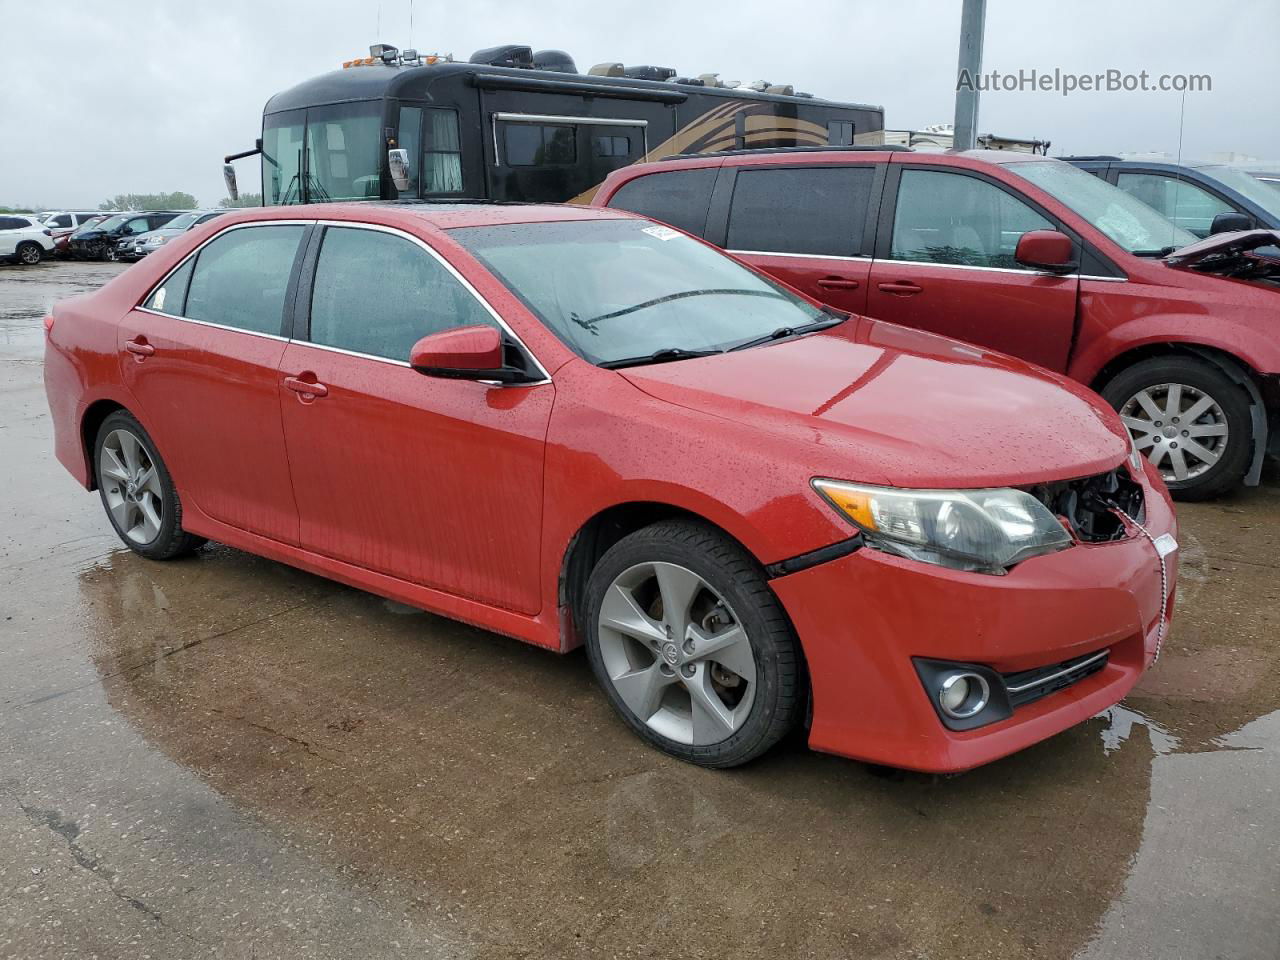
pixel 830 319
pixel 724 292
pixel 665 355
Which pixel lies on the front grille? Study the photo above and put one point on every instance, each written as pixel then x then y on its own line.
pixel 1085 503
pixel 1028 686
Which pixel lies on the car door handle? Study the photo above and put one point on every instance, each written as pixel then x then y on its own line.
pixel 306 388
pixel 837 283
pixel 901 288
pixel 139 347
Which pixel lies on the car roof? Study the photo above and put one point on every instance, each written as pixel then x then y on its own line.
pixel 445 215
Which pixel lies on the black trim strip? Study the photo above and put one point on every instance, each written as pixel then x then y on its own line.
pixel 493 81
pixel 814 557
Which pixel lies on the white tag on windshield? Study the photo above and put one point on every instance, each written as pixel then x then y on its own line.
pixel 1165 544
pixel 662 233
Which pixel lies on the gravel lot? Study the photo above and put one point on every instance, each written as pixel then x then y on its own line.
pixel 227 757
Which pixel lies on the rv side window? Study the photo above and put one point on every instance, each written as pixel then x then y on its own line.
pixel 534 145
pixel 410 140
pixel 679 198
pixel 820 210
pixel 610 146
pixel 441 153
pixel 840 133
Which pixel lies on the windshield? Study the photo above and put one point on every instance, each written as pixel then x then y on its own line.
pixel 1126 220
pixel 343 150
pixel 619 289
pixel 108 224
pixel 181 222
pixel 1248 186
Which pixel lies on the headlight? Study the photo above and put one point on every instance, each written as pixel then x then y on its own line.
pixel 985 531
pixel 154 241
pixel 1135 458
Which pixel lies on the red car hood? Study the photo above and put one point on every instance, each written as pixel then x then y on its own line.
pixel 882 404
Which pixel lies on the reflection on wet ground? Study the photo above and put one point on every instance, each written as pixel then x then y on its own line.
pixel 224 756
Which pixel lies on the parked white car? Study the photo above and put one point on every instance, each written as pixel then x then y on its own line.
pixel 23 238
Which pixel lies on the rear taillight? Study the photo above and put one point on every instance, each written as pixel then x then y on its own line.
pixel 48 325
pixel 48 232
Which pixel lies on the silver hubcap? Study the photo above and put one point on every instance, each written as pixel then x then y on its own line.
pixel 131 485
pixel 1182 431
pixel 677 654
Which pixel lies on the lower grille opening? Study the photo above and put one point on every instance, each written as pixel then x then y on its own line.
pixel 1028 686
pixel 1083 503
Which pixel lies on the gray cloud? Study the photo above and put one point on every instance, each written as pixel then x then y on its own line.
pixel 108 98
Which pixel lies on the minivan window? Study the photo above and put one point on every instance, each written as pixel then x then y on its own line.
pixel 952 218
pixel 620 289
pixel 378 294
pixel 817 210
pixel 240 278
pixel 62 220
pixel 679 198
pixel 1128 222
pixel 1186 204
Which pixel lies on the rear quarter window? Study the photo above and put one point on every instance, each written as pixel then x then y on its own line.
pixel 680 198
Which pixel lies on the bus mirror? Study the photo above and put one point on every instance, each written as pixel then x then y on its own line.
pixel 229 175
pixel 398 164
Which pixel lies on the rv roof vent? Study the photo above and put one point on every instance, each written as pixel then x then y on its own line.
pixel 647 72
pixel 507 55
pixel 557 61
pixel 690 81
pixel 801 93
pixel 606 70
pixel 759 86
pixel 710 79
pixel 784 89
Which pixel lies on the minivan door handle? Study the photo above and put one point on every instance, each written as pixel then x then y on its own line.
pixel 900 288
pixel 307 390
pixel 139 347
pixel 837 283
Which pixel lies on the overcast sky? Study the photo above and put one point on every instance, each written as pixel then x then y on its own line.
pixel 146 96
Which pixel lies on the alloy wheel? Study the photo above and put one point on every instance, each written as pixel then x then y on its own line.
pixel 676 654
pixel 1181 430
pixel 29 254
pixel 131 486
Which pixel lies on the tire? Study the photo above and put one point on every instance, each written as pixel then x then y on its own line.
pixel 109 252
pixel 146 515
pixel 29 253
pixel 728 597
pixel 1225 429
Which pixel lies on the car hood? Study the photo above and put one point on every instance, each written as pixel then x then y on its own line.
pixel 1224 245
pixel 879 403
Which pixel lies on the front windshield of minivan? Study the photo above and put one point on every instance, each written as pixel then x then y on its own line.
pixel 1126 220
pixel 618 290
pixel 1247 186
pixel 181 222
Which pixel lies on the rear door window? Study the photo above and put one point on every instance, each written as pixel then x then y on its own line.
pixel 377 294
pixel 680 198
pixel 241 277
pixel 816 210
pixel 957 219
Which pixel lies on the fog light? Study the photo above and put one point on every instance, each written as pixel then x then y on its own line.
pixel 963 695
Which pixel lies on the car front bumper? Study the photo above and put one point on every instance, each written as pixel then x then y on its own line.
pixel 863 618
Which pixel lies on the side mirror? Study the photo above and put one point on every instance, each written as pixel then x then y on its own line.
pixel 465 353
pixel 398 164
pixel 1230 222
pixel 229 175
pixel 1046 250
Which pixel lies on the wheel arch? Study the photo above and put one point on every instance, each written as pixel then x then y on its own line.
pixel 1231 365
pixel 90 422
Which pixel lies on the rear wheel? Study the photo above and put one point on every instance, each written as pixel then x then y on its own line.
pixel 1189 419
pixel 691 646
pixel 29 253
pixel 137 492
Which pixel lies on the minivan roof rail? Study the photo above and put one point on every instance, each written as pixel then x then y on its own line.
pixel 750 151
pixel 1087 156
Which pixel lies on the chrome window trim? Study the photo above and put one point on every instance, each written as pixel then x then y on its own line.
pixel 466 285
pixel 452 271
pixel 922 263
pixel 802 256
pixel 574 121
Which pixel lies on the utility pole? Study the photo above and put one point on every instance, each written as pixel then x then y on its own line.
pixel 973 22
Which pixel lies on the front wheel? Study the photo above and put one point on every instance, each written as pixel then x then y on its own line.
pixel 1189 419
pixel 139 495
pixel 691 646
pixel 29 253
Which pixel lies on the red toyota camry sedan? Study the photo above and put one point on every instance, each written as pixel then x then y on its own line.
pixel 576 426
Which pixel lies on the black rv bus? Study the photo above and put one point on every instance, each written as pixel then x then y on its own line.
pixel 512 125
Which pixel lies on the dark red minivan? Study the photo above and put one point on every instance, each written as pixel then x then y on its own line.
pixel 1024 254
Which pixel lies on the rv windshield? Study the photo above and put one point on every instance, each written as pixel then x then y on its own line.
pixel 342 159
pixel 1125 219
pixel 629 291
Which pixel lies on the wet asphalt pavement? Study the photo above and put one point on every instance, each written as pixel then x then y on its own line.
pixel 225 757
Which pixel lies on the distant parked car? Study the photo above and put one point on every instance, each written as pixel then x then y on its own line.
pixel 23 239
pixel 135 248
pixel 62 223
pixel 99 241
pixel 1202 198
pixel 62 244
pixel 1270 176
